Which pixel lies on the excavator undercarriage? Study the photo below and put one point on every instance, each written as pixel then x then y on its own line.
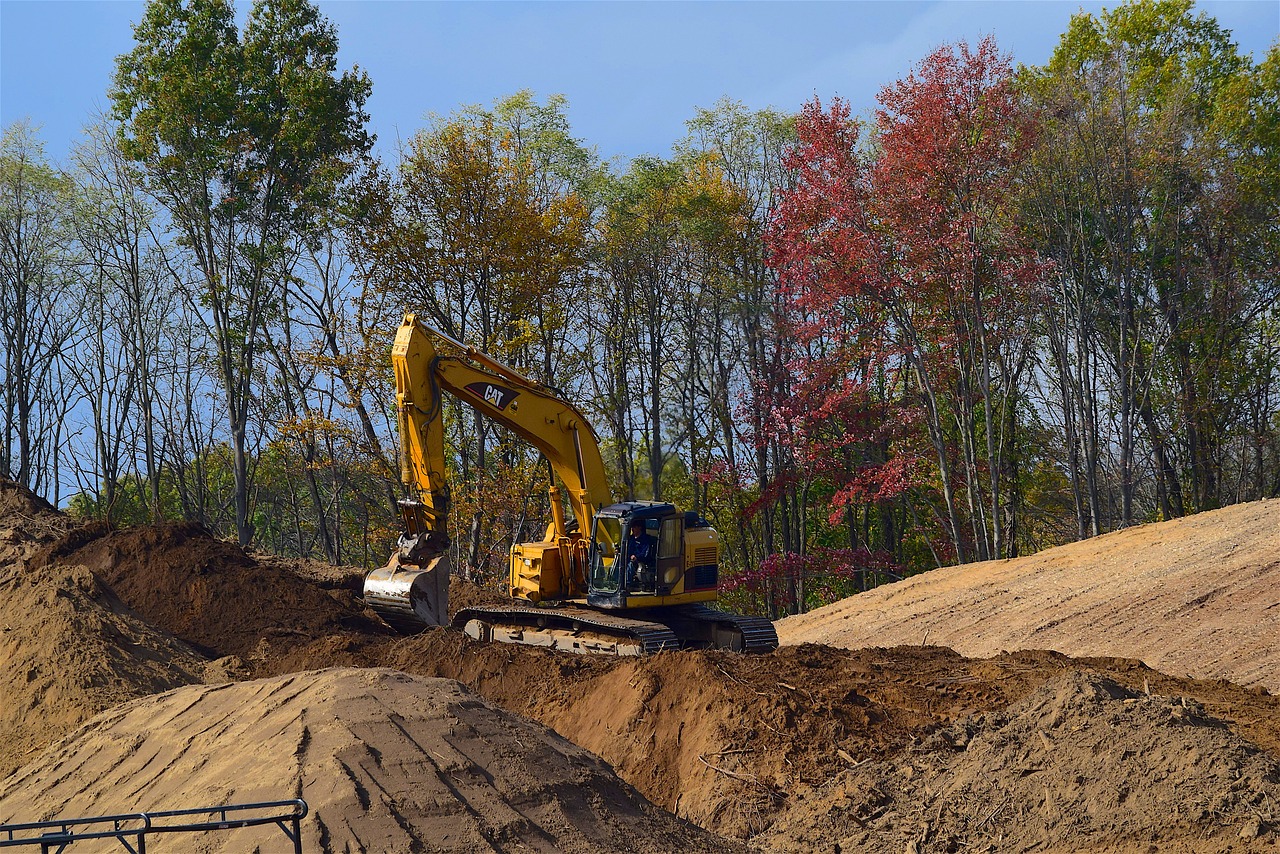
pixel 641 632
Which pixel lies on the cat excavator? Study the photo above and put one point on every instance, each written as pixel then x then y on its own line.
pixel 587 586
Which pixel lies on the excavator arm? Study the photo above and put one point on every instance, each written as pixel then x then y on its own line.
pixel 534 412
pixel 413 588
pixel 571 590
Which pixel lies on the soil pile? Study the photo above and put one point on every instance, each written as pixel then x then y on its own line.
pixel 1082 764
pixel 27 522
pixel 386 761
pixel 213 595
pixel 1194 596
pixel 71 649
pixel 859 746
pixel 735 743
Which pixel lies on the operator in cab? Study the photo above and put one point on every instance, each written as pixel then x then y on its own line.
pixel 643 550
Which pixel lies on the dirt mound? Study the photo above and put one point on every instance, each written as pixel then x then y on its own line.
pixel 718 738
pixel 386 762
pixel 71 649
pixel 735 742
pixel 749 745
pixel 1082 764
pixel 465 594
pixel 27 522
pixel 210 593
pixel 1193 596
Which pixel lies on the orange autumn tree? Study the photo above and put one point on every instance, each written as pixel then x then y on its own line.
pixel 484 233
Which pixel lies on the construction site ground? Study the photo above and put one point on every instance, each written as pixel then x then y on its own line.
pixel 1111 695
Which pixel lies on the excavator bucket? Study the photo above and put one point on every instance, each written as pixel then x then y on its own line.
pixel 409 597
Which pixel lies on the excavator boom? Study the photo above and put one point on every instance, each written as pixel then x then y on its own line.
pixel 411 591
pixel 532 411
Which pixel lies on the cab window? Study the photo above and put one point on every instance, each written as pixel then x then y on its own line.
pixel 608 536
pixel 669 539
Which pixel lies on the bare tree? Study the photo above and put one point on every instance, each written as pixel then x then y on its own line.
pixel 128 299
pixel 37 307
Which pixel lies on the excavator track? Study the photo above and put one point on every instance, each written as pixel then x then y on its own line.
pixel 758 633
pixel 566 628
pixel 583 630
pixel 701 627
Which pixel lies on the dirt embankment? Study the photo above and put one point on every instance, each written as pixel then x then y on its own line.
pixel 1193 596
pixel 70 650
pixel 386 762
pixel 70 647
pixel 737 743
pixel 1082 764
pixel 212 594
pixel 908 748
pixel 91 617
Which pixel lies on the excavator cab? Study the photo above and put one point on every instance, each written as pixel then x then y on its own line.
pixel 605 555
pixel 620 579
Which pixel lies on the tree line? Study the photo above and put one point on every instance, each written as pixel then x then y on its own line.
pixel 1006 308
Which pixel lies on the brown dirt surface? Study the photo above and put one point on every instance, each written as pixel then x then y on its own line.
pixel 1082 764
pixel 1194 596
pixel 322 575
pixel 386 761
pixel 210 593
pixel 735 743
pixel 71 649
pixel 27 522
pixel 791 750
pixel 465 594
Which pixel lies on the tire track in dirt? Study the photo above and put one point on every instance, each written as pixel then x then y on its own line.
pixel 386 761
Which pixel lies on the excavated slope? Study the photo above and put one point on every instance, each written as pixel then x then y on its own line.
pixel 386 761
pixel 1196 596
pixel 210 593
pixel 69 646
pixel 746 746
pixel 1083 764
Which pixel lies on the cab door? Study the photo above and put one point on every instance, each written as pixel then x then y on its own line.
pixel 605 588
pixel 670 562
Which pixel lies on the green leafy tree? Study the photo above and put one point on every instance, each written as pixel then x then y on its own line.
pixel 1154 191
pixel 244 138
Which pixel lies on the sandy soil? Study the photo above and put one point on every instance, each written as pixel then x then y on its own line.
pixel 1194 596
pixel 1081 764
pixel 70 647
pixel 815 747
pixel 386 761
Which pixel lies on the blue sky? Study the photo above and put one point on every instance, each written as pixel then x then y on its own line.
pixel 633 72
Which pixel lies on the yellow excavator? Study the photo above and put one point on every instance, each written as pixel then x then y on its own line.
pixel 626 578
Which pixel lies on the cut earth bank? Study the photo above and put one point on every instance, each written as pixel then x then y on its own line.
pixel 815 747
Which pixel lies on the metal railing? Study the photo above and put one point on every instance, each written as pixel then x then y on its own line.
pixel 132 829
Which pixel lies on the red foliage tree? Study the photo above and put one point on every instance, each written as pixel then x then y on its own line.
pixel 909 289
